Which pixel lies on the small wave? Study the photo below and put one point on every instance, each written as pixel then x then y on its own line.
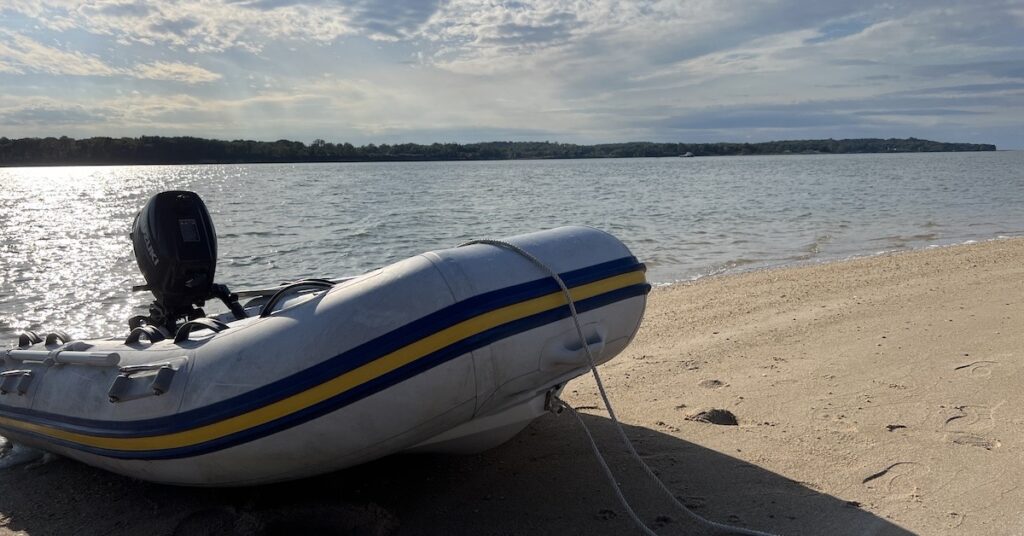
pixel 816 246
pixel 736 263
pixel 256 234
pixel 729 266
pixel 899 241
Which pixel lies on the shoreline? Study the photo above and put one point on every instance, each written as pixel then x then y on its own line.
pixel 874 395
pixel 755 266
pixel 5 166
pixel 191 150
pixel 426 161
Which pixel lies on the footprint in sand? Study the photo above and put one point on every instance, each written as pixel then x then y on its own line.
pixel 978 369
pixel 971 426
pixel 898 479
pixel 835 419
pixel 974 441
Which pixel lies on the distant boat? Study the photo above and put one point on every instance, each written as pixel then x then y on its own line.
pixel 687 155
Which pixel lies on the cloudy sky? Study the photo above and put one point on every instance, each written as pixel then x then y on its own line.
pixel 476 70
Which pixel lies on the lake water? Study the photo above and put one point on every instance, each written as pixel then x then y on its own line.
pixel 66 260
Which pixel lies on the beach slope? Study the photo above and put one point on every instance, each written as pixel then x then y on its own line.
pixel 893 382
pixel 875 396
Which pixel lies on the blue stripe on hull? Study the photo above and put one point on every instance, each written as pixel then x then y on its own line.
pixel 366 389
pixel 338 365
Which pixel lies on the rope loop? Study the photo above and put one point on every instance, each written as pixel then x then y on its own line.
pixel 723 528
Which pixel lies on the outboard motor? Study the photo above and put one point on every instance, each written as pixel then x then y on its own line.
pixel 176 248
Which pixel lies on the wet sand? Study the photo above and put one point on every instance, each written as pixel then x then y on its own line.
pixel 878 396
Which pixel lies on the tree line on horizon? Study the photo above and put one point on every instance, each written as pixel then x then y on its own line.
pixel 191 150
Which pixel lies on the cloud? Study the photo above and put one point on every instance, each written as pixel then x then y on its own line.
pixel 757 118
pixel 479 36
pixel 998 69
pixel 631 38
pixel 972 89
pixel 9 68
pixel 769 54
pixel 177 72
pixel 596 70
pixel 394 20
pixel 388 21
pixel 120 9
pixel 174 29
pixel 204 26
pixel 838 29
pixel 920 112
pixel 45 112
pixel 22 53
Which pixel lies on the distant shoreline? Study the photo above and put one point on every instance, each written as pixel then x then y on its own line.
pixel 158 150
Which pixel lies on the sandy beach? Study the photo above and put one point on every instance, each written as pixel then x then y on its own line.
pixel 875 396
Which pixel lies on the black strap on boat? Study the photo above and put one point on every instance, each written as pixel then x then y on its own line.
pixel 28 338
pixel 200 323
pixel 58 336
pixel 137 321
pixel 150 333
pixel 305 283
pixel 230 300
pixel 316 280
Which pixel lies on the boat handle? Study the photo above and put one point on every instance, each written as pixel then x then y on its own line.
pixel 151 333
pixel 28 338
pixel 128 370
pixel 66 357
pixel 270 291
pixel 268 308
pixel 161 382
pixel 57 336
pixel 165 371
pixel 187 328
pixel 19 380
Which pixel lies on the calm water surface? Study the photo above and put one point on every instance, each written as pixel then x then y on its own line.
pixel 66 260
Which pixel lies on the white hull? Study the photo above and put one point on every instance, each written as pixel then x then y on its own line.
pixel 451 351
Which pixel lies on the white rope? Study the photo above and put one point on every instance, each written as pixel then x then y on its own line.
pixel 607 470
pixel 726 529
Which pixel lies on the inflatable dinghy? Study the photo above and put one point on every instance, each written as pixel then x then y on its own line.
pixel 454 350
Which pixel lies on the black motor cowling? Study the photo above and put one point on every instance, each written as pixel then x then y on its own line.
pixel 176 248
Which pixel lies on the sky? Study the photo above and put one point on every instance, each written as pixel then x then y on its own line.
pixel 598 71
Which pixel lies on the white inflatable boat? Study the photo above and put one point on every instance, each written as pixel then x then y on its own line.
pixel 454 350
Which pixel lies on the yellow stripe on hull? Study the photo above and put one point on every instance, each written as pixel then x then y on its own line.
pixel 340 384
